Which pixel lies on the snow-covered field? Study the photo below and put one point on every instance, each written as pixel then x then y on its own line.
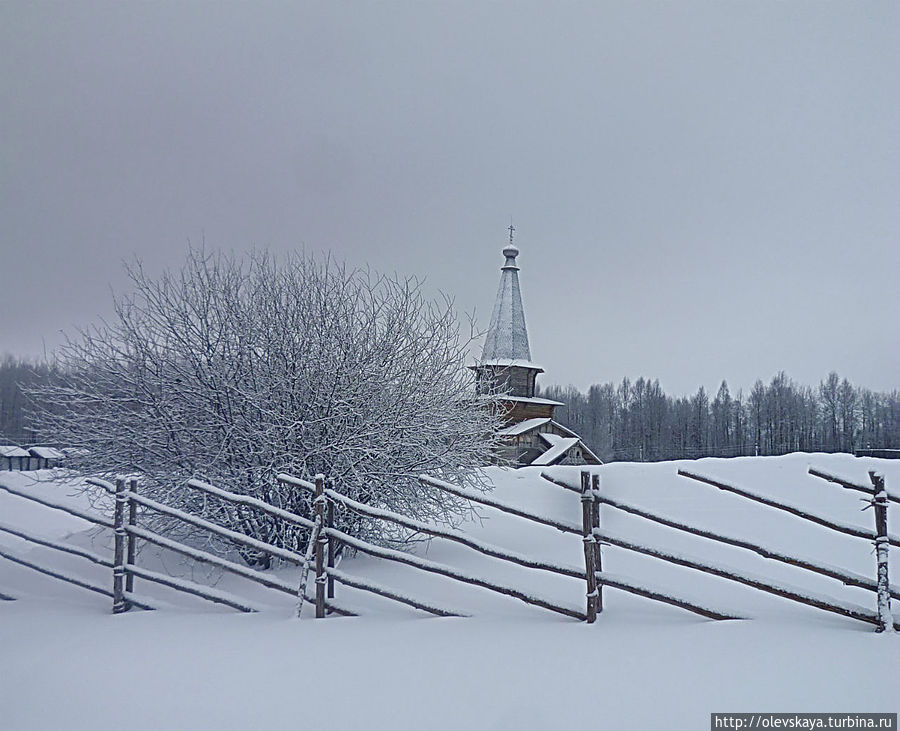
pixel 67 663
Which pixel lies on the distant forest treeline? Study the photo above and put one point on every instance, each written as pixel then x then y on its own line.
pixel 16 373
pixel 637 421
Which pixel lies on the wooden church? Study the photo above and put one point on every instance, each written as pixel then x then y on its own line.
pixel 530 436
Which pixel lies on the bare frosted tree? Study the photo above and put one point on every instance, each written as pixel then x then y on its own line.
pixel 232 370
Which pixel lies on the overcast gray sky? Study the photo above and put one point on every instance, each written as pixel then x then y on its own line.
pixel 701 190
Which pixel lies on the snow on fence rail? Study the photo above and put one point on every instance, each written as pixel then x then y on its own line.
pixel 846 528
pixel 879 501
pixel 592 574
pixel 850 485
pixel 131 532
pixel 882 618
pixel 320 554
pixel 321 493
pixel 847 578
pixel 757 582
pixel 30 563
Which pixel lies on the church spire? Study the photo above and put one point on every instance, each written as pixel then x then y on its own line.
pixel 507 337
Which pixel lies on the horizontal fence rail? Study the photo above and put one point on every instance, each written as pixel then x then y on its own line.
pixel 373 588
pixel 190 587
pixel 55 574
pixel 246 572
pixel 202 591
pixel 850 485
pixel 845 528
pixel 447 533
pixel 89 517
pixel 627 585
pixel 477 497
pixel 90 586
pixel 95 558
pixel 451 534
pixel 880 618
pixel 845 577
pixel 589 492
pixel 785 591
pixel 443 570
pixel 252 502
pixel 323 536
pixel 63 547
pixel 233 536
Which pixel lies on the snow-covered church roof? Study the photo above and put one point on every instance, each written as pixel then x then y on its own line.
pixel 507 338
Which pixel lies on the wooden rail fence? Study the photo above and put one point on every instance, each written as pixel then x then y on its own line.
pixel 130 506
pixel 881 618
pixel 126 593
pixel 591 574
pixel 324 537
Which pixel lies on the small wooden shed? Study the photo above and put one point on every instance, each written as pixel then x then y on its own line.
pixel 45 458
pixel 14 458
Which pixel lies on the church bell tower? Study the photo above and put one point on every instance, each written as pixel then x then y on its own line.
pixel 506 367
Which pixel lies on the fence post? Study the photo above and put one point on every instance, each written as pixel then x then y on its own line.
pixel 595 523
pixel 329 521
pixel 880 502
pixel 319 502
pixel 119 557
pixel 131 545
pixel 587 500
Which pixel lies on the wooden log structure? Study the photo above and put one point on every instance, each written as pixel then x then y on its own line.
pixel 97 482
pixel 308 561
pixel 252 502
pixel 189 587
pixel 436 531
pixel 233 536
pixel 792 509
pixel 845 577
pixel 242 539
pixel 329 522
pixel 266 580
pixel 10 556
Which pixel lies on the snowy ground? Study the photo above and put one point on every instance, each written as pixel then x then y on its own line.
pixel 67 663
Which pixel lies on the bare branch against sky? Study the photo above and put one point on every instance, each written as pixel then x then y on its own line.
pixel 701 190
